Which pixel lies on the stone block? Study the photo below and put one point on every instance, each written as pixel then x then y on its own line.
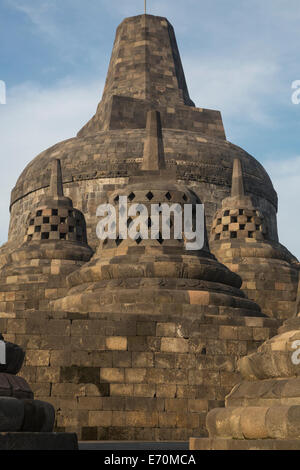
pixel 11 414
pixel 116 343
pixel 112 375
pixel 179 345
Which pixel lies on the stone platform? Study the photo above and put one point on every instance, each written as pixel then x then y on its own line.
pixel 236 444
pixel 38 441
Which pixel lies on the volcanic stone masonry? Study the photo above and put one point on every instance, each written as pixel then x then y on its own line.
pixel 139 339
pixel 25 423
pixel 239 237
pixel 262 412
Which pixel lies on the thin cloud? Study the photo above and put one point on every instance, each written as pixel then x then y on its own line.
pixel 238 88
pixel 285 177
pixel 34 119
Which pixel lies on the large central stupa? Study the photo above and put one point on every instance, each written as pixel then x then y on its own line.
pixel 145 71
pixel 138 339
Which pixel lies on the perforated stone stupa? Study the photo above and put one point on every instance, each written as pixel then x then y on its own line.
pixel 145 72
pixel 138 339
pixel 240 238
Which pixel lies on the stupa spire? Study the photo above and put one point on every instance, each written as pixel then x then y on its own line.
pixel 153 158
pixel 237 188
pixel 145 72
pixel 56 184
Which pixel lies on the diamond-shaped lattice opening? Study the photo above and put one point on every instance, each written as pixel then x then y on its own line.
pixel 138 240
pixel 46 220
pixel 149 222
pixel 31 222
pixel 217 237
pixel 241 212
pixel 39 213
pixel 131 197
pixel 168 196
pixel 225 228
pixel 233 219
pixel 29 238
pixel 105 242
pixel 257 227
pixel 233 235
pixel 63 220
pixel 37 229
pixel 226 213
pixel 149 196
pixel 249 219
pixel 242 226
pixel 129 221
pixel 184 197
pixel 45 236
pixel 118 241
pixel 219 221
pixel 116 199
pixel 62 236
pixel 250 234
pixel 54 228
pixel 54 211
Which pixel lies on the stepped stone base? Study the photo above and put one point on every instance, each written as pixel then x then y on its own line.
pixel 38 441
pixel 133 376
pixel 236 444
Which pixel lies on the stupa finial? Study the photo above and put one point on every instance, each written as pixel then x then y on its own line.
pixel 237 187
pixel 154 158
pixel 56 184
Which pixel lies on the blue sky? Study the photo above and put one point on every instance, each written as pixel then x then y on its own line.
pixel 240 57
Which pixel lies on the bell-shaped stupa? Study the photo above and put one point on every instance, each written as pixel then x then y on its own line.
pixel 55 244
pixel 240 239
pixel 145 72
pixel 168 318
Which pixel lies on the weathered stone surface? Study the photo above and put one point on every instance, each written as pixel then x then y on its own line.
pixel 39 416
pixel 252 444
pixel 38 441
pixel 14 359
pixel 54 245
pixel 17 415
pixel 261 412
pixel 241 240
pixel 250 422
pixel 273 359
pixel 11 414
pixel 13 386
